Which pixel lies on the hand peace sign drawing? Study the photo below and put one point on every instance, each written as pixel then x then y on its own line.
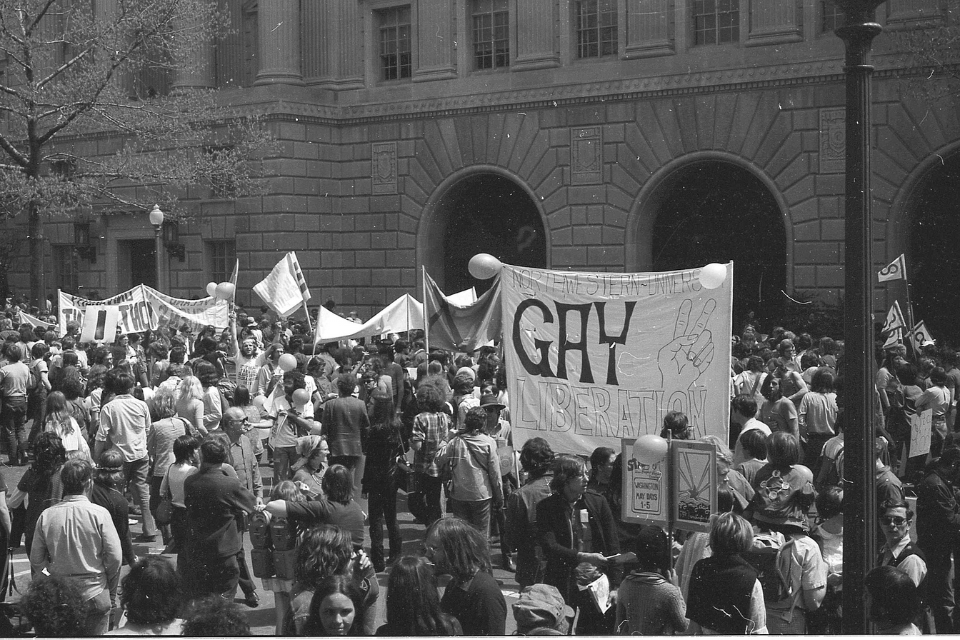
pixel 687 356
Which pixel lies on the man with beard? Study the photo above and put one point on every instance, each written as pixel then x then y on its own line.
pixel 247 360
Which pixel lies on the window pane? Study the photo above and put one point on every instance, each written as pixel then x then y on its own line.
pixel 394 25
pixel 716 21
pixel 596 28
pixel 491 21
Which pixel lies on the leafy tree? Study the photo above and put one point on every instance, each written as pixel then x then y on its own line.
pixel 97 112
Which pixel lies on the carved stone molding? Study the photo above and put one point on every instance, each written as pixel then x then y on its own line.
pixel 833 146
pixel 383 170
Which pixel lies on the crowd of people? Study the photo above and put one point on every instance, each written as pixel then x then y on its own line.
pixel 169 430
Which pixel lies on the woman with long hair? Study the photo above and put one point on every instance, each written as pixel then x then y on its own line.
pixel 326 551
pixel 107 491
pixel 41 482
pixel 60 421
pixel 288 491
pixel 379 482
pixel 334 608
pixel 190 405
pixel 430 429
pixel 473 597
pixel 413 602
pixel 750 381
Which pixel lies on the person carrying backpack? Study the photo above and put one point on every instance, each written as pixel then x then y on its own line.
pixel 790 565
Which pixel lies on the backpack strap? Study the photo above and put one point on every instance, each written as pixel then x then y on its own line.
pixel 757 383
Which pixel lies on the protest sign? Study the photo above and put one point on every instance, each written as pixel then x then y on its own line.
pixel 596 357
pixel 921 432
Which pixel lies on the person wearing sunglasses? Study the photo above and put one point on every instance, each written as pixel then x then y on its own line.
pixel 898 550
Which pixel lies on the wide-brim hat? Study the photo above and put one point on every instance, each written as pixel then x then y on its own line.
pixel 489 401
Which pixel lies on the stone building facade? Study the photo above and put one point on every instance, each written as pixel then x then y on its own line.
pixel 622 135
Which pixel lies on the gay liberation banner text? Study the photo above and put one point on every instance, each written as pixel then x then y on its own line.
pixel 595 357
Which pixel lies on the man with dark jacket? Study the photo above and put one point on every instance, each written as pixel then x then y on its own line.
pixel 576 526
pixel 212 497
pixel 938 534
pixel 520 532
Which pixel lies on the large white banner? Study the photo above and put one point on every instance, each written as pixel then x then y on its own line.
pixel 143 308
pixel 595 357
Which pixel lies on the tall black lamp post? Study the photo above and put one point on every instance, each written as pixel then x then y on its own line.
pixel 860 519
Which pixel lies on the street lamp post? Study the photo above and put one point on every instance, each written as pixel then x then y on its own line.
pixel 156 219
pixel 860 521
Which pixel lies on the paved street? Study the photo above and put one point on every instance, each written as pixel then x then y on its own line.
pixel 262 619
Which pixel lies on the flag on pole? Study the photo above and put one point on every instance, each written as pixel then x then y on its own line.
pixel 236 272
pixel 285 289
pixel 894 319
pixel 895 338
pixel 896 270
pixel 461 327
pixel 100 323
pixel 920 337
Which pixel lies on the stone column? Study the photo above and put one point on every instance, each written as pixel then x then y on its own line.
pixel 279 36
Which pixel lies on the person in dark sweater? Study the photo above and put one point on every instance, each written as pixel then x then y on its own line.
pixel 938 534
pixel 725 595
pixel 473 596
pixel 108 493
pixel 337 507
pixel 212 498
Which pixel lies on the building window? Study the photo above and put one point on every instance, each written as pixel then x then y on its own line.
pixel 831 16
pixel 65 259
pixel 716 21
pixel 222 258
pixel 395 60
pixel 596 28
pixel 491 34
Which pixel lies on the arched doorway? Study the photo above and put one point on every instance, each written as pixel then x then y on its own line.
pixel 487 213
pixel 933 257
pixel 716 211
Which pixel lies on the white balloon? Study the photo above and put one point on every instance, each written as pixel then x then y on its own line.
pixel 713 275
pixel 650 449
pixel 225 290
pixel 484 266
pixel 211 289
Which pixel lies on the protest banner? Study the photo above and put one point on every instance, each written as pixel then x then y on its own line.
pixel 403 314
pixel 454 324
pixel 142 308
pixel 284 289
pixel 596 357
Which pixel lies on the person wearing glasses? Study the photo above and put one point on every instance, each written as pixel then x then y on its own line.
pixel 898 550
pixel 240 456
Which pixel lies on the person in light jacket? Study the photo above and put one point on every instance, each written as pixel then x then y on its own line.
pixel 475 466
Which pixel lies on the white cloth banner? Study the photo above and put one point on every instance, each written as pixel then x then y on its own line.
pixel 403 314
pixel 595 357
pixel 143 308
pixel 284 289
pixel 463 298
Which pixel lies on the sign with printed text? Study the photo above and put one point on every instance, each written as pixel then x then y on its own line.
pixel 921 433
pixel 593 358
pixel 645 498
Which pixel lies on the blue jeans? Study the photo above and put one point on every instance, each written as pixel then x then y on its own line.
pixel 14 416
pixel 283 458
pixel 476 512
pixel 97 614
pixel 136 475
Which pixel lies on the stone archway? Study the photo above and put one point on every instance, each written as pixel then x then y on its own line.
pixel 714 210
pixel 933 250
pixel 482 212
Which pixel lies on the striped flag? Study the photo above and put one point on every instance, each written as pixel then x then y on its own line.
pixel 896 270
pixel 100 323
pixel 895 338
pixel 894 319
pixel 461 327
pixel 284 290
